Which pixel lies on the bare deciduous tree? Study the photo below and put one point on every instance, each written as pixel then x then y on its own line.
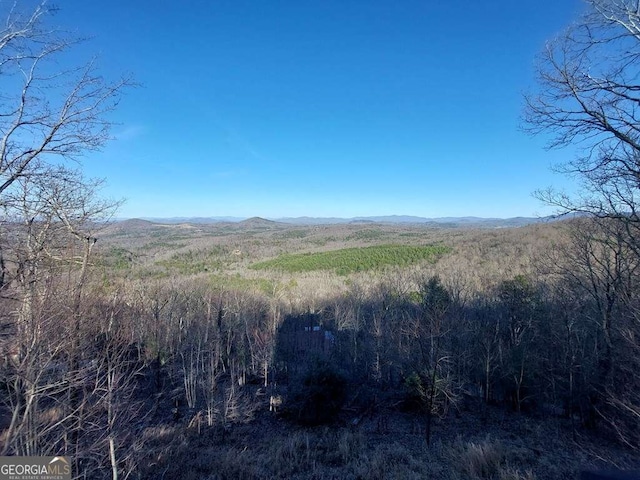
pixel 45 111
pixel 51 110
pixel 589 94
pixel 600 270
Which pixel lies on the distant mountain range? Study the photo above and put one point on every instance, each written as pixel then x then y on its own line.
pixel 409 219
pixel 390 219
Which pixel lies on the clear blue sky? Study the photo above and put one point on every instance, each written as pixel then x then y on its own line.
pixel 322 108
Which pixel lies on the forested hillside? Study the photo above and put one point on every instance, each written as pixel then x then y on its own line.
pixel 177 338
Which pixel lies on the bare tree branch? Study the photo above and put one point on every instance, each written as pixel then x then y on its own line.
pixel 55 113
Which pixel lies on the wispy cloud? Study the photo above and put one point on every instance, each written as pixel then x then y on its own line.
pixel 130 132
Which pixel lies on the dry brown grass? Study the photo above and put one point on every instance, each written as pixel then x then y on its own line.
pixel 271 448
pixel 490 458
pixel 482 459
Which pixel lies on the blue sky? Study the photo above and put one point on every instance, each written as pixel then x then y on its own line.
pixel 322 108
